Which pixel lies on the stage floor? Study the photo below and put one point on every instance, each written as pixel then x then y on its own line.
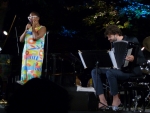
pixel 81 106
pixel 105 112
pixel 146 111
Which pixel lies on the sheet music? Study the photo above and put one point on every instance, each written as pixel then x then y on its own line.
pixel 113 59
pixel 84 65
pixel 85 89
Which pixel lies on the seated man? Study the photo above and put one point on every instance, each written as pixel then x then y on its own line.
pixel 113 33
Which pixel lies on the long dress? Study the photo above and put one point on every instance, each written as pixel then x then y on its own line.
pixel 32 56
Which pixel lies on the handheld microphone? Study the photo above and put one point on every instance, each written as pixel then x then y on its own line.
pixel 29 23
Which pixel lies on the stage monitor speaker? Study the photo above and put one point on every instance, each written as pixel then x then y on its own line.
pixel 39 95
pixel 82 101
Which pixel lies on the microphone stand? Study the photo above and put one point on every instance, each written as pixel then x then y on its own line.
pixel 17 77
pixel 17 40
pixel 12 79
pixel 46 61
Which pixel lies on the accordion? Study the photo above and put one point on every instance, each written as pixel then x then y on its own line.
pixel 120 50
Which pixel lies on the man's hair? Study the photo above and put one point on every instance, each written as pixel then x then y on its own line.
pixel 36 13
pixel 112 30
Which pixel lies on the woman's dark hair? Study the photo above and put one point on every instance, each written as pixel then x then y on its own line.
pixel 36 13
pixel 112 30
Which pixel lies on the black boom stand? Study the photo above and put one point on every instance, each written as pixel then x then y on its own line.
pixel 95 58
pixel 46 56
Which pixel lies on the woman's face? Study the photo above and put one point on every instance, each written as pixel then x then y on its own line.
pixel 33 17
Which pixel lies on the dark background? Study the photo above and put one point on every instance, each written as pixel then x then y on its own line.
pixel 54 15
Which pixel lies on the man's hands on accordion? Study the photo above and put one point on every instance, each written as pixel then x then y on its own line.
pixel 130 58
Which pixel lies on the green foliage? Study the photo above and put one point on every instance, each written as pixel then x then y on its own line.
pixel 88 18
pixel 105 13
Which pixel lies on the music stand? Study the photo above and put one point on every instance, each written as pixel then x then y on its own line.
pixel 95 58
pixel 92 58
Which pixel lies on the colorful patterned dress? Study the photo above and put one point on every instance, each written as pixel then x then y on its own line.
pixel 32 56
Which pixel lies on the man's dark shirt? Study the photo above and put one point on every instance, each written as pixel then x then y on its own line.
pixel 140 57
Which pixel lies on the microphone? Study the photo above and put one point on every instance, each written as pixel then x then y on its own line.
pixel 29 23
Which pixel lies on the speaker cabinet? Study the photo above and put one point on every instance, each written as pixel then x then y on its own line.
pixel 39 95
pixel 82 101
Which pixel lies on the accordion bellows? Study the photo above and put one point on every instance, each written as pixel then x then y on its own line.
pixel 120 50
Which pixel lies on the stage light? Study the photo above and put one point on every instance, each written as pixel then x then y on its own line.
pixel 5 33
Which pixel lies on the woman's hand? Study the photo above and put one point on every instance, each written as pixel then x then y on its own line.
pixel 34 23
pixel 28 26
